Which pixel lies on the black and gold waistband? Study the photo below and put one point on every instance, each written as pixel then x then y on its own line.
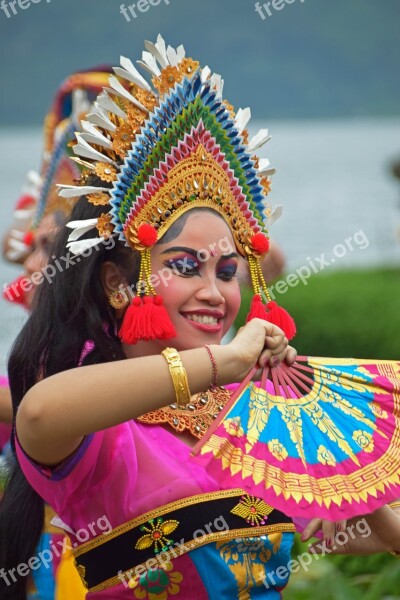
pixel 172 530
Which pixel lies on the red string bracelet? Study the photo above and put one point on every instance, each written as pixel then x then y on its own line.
pixel 214 379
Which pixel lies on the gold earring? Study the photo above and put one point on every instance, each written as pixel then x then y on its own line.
pixel 118 299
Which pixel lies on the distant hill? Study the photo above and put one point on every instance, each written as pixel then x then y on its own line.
pixel 312 58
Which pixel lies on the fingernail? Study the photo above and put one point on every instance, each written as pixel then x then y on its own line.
pixel 276 361
pixel 339 528
pixel 329 542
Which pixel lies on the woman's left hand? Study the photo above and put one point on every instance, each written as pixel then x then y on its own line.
pixel 369 534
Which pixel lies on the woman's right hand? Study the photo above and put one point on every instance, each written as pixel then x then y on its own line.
pixel 260 343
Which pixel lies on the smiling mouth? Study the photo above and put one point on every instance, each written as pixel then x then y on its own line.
pixel 203 319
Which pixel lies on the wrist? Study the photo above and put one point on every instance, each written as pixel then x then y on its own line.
pixel 228 363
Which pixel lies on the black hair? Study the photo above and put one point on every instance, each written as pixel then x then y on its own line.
pixel 67 311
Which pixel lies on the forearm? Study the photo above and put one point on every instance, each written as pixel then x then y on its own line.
pixel 6 412
pixel 59 411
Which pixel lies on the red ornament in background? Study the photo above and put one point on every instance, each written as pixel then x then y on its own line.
pixel 25 202
pixel 14 292
pixel 28 239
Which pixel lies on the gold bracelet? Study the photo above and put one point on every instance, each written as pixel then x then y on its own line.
pixel 178 376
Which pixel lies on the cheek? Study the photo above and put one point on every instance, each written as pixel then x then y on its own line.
pixel 171 290
pixel 36 261
pixel 233 301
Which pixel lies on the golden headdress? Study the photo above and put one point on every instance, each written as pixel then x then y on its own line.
pixel 167 149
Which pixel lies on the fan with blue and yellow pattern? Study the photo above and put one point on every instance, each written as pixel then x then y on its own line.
pixel 318 439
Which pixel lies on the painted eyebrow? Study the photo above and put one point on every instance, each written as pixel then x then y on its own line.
pixel 181 249
pixel 227 256
pixel 195 252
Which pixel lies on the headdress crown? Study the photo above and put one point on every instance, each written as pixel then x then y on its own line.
pixel 166 149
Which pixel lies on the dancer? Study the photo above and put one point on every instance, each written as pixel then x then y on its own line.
pixel 126 371
pixel 40 213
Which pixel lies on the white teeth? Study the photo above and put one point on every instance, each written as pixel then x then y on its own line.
pixel 205 319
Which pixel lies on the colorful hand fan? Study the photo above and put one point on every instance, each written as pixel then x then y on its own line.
pixel 318 439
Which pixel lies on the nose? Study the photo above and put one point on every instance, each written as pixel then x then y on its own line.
pixel 209 291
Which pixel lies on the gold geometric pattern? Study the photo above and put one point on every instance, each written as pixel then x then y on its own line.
pixel 330 490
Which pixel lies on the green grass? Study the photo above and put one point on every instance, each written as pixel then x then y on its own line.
pixel 344 314
pixel 345 577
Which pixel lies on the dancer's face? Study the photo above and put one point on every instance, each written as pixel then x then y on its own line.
pixel 39 257
pixel 197 281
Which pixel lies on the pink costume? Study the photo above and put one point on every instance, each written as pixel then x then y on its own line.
pixel 128 470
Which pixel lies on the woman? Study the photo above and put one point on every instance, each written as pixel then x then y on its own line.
pixel 40 224
pixel 104 422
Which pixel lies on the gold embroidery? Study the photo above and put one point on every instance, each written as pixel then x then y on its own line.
pixel 254 510
pixel 196 417
pixel 156 532
pixel 82 574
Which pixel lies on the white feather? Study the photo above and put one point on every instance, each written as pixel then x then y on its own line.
pixel 33 183
pixel 96 137
pixel 242 119
pixel 80 103
pixel 80 228
pixel 264 168
pixel 99 117
pixel 104 101
pixel 23 214
pixel 82 163
pixel 17 245
pixel 92 139
pixel 79 247
pixel 172 56
pixel 276 214
pixel 258 140
pixel 155 50
pixel 17 234
pixel 149 62
pixel 119 89
pixel 14 255
pixel 205 74
pixel 218 83
pixel 180 52
pixel 82 148
pixel 129 72
pixel 74 191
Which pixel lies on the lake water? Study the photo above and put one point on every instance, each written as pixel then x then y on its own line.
pixel 333 180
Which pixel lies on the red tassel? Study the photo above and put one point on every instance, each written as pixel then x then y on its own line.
pixel 14 292
pixel 257 309
pixel 146 319
pixel 280 317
